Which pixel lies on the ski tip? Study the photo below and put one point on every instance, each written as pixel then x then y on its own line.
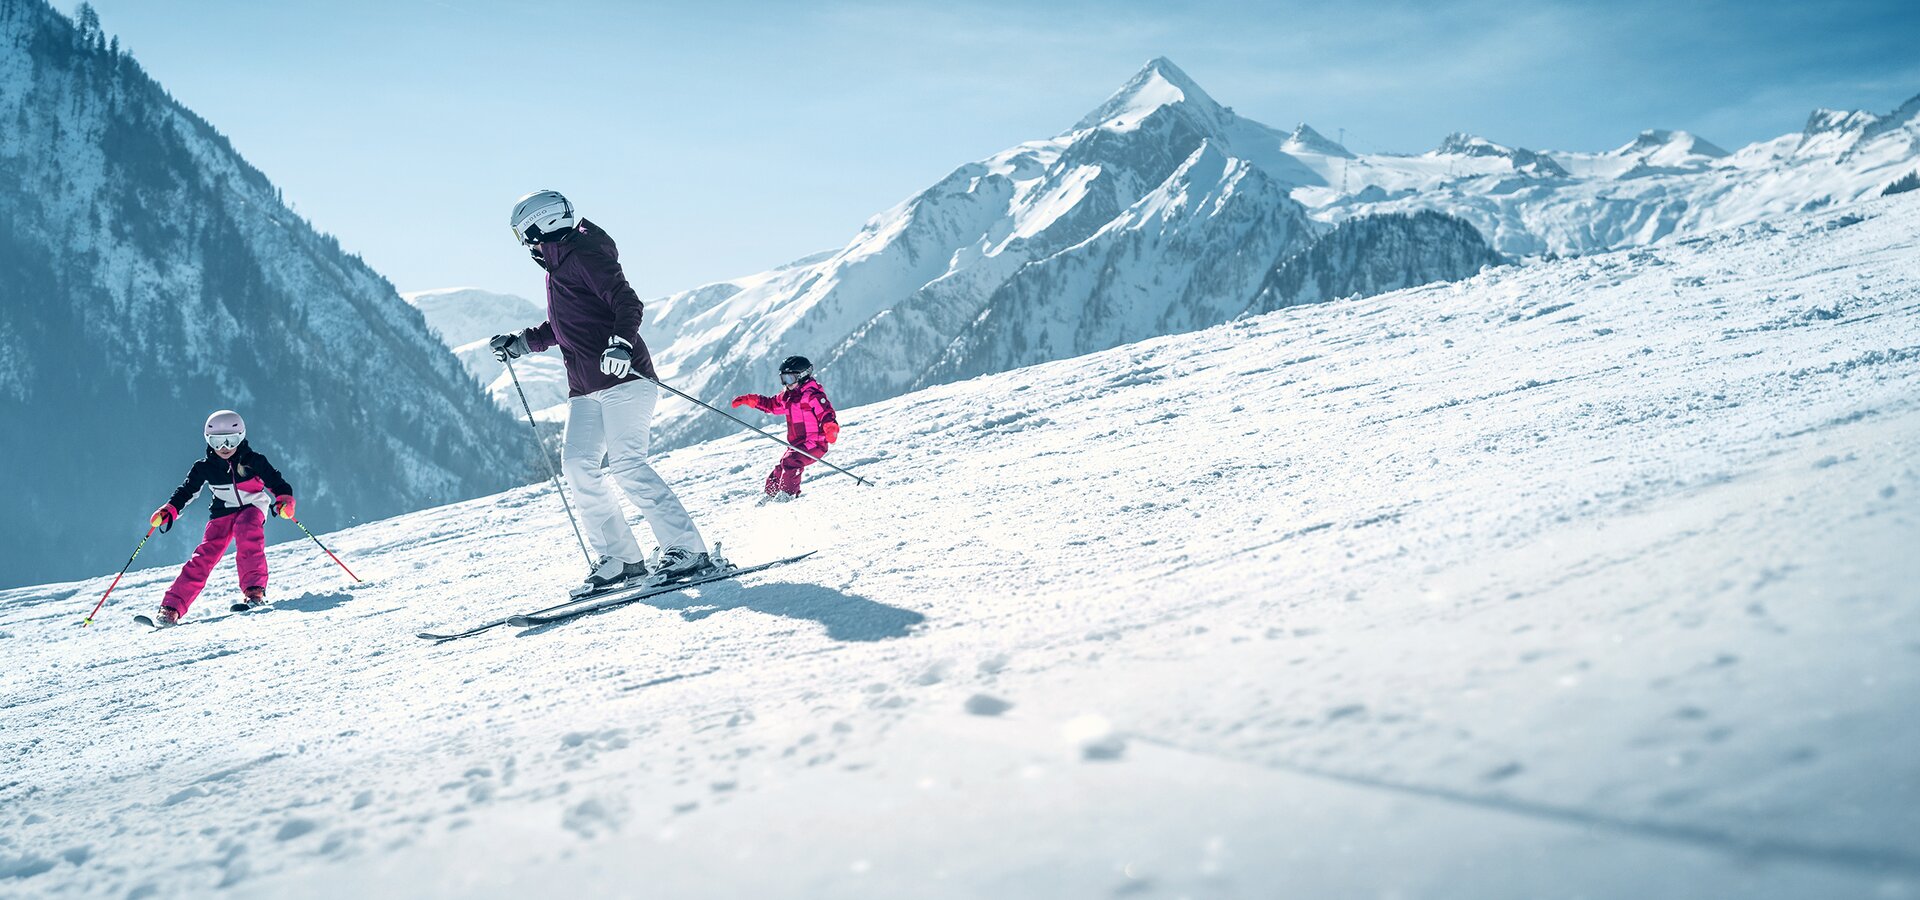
pixel 518 621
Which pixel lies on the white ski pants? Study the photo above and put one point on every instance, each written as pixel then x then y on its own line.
pixel 606 441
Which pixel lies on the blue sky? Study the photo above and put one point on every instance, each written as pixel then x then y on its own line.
pixel 719 139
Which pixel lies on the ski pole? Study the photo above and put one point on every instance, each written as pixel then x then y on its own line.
pixel 116 578
pixel 744 424
pixel 323 549
pixel 537 448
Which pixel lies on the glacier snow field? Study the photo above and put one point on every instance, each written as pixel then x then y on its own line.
pixel 1590 578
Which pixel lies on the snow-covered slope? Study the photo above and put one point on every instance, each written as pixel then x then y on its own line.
pixel 1590 578
pixel 148 276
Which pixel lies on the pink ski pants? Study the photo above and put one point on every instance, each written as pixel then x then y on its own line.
pixel 785 477
pixel 246 529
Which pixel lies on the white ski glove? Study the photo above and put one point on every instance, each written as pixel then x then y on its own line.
pixel 617 359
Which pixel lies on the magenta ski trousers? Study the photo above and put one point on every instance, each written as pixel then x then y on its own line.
pixel 246 529
pixel 785 477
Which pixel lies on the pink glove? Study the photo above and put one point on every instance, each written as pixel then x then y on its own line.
pixel 743 400
pixel 833 431
pixel 283 506
pixel 163 517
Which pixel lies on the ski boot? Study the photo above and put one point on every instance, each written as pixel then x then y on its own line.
pixel 165 617
pixel 678 563
pixel 254 598
pixel 608 573
pixel 777 497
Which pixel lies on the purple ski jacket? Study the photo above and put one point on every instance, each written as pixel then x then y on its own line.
pixel 588 301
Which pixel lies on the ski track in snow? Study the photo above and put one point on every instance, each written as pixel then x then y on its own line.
pixel 1588 578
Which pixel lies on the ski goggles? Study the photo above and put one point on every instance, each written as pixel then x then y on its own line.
pixel 226 441
pixel 794 377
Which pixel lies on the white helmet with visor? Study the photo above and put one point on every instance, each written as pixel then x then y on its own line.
pixel 225 430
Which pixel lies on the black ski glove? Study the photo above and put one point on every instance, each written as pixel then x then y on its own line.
pixel 509 346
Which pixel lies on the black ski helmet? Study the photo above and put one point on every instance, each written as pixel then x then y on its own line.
pixel 797 366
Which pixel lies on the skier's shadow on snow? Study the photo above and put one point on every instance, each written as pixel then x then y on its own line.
pixel 846 617
pixel 314 602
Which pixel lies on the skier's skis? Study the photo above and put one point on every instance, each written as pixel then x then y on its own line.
pixel 608 600
pixel 147 620
pixel 592 604
pixel 432 636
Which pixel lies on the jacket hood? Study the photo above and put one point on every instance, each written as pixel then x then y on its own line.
pixel 585 235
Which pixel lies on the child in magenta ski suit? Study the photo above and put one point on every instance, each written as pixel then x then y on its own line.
pixel 811 424
pixel 245 487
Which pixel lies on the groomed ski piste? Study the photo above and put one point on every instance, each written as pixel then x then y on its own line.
pixel 1592 578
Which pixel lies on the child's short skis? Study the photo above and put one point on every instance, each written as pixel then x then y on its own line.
pixel 245 488
pixel 811 424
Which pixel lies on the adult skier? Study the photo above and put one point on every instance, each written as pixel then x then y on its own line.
pixel 245 488
pixel 593 316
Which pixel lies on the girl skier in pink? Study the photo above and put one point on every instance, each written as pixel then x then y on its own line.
pixel 245 488
pixel 811 424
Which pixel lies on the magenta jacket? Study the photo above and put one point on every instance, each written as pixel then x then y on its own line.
pixel 588 301
pixel 808 412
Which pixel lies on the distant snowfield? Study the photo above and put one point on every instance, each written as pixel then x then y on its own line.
pixel 1590 578
pixel 466 319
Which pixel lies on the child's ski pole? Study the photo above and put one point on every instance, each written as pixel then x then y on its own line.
pixel 549 464
pixel 323 549
pixel 743 424
pixel 116 578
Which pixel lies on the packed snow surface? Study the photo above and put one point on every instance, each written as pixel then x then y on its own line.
pixel 1589 578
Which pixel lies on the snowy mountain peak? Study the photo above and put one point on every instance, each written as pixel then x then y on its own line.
pixel 1306 140
pixel 1461 143
pixel 1157 85
pixel 1832 132
pixel 1837 121
pixel 1525 162
pixel 1660 142
pixel 1906 116
pixel 1162 211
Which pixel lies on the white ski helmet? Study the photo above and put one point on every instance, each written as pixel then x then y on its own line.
pixel 540 214
pixel 225 429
